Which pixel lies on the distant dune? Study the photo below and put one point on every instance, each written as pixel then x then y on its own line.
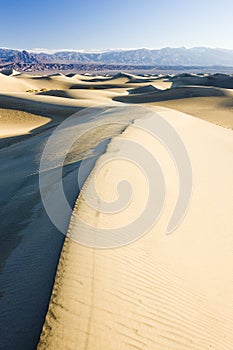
pixel 218 80
pixel 170 94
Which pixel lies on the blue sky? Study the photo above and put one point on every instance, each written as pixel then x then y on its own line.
pixel 93 24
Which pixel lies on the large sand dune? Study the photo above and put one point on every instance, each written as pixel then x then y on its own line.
pixel 160 292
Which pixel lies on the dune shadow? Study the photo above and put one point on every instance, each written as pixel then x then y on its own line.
pixel 97 86
pixel 170 94
pixel 44 109
pixel 31 245
pixel 57 113
pixel 214 80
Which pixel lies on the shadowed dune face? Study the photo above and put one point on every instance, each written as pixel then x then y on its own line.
pixel 217 80
pixel 81 94
pixel 142 90
pixel 30 244
pixel 97 86
pixel 171 94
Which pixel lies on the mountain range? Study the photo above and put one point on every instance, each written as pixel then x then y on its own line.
pixel 198 56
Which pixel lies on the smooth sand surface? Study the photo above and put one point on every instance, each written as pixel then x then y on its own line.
pixel 160 292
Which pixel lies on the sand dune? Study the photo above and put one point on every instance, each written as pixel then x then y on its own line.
pixel 217 110
pixel 89 77
pixel 54 96
pixel 218 80
pixel 127 78
pixel 54 103
pixel 144 89
pixel 24 113
pixel 160 292
pixel 49 81
pixel 61 95
pixel 49 106
pixel 101 79
pixel 30 243
pixel 24 82
pixel 96 86
pixel 208 103
pixel 172 94
pixel 81 94
pixel 14 123
pixel 8 83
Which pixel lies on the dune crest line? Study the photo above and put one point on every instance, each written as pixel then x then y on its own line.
pixel 143 295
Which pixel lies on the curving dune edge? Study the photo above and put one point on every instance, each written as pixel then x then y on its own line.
pixel 160 292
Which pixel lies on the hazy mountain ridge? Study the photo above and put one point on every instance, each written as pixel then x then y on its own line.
pixel 199 56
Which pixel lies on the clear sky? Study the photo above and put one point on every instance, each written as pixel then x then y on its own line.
pixel 99 24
